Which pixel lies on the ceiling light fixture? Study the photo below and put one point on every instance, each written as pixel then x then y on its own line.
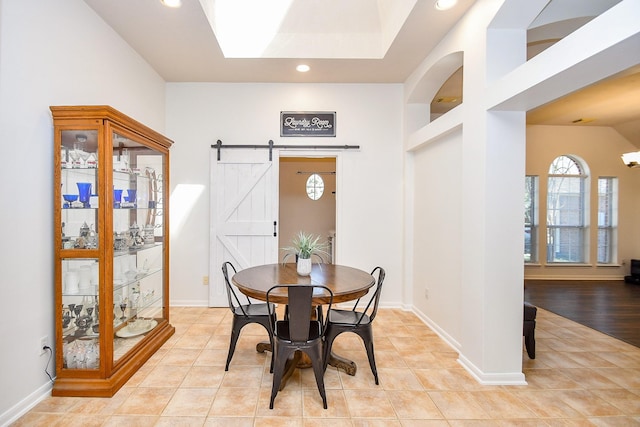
pixel 582 120
pixel 445 4
pixel 632 160
pixel 303 68
pixel 171 3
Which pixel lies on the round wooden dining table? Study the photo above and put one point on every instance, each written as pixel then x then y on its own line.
pixel 346 283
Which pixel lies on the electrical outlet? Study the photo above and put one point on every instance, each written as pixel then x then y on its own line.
pixel 205 280
pixel 44 342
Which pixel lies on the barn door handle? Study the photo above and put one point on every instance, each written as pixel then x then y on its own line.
pixel 275 234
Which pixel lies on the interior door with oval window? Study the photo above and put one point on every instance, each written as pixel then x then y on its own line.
pixel 244 211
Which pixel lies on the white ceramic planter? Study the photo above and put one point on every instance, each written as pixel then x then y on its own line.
pixel 304 266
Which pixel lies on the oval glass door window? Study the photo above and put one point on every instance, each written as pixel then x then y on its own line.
pixel 315 186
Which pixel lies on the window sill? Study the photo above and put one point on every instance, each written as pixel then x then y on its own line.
pixel 609 265
pixel 567 264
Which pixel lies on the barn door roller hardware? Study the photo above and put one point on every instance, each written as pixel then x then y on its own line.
pixel 218 146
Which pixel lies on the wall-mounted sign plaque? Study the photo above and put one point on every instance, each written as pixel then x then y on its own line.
pixel 305 123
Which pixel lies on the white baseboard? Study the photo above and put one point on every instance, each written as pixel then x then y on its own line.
pixel 454 344
pixel 189 303
pixel 22 407
pixel 573 277
pixel 503 378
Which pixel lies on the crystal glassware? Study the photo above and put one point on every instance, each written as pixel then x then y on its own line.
pixel 77 310
pixel 84 156
pixel 74 155
pixel 123 307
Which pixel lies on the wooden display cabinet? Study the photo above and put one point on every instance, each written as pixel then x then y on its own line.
pixel 111 208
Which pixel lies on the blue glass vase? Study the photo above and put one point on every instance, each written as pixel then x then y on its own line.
pixel 84 192
pixel 117 198
pixel 131 196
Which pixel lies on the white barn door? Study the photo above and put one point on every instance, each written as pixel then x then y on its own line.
pixel 244 212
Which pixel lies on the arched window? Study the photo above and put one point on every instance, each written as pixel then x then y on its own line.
pixel 566 211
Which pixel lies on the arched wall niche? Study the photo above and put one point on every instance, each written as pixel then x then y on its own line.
pixel 442 75
pixel 528 28
pixel 547 21
pixel 449 95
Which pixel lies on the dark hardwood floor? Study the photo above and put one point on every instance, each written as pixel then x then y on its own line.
pixel 611 307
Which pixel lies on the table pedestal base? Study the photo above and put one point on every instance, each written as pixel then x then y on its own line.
pixel 349 366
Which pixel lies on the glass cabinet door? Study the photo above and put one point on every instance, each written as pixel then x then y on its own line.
pixel 138 255
pixel 79 187
pixel 80 314
pixel 80 269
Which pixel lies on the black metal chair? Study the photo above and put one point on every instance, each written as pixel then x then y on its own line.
pixel 358 322
pixel 243 314
pixel 299 332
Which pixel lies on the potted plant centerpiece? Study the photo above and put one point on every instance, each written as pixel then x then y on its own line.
pixel 304 246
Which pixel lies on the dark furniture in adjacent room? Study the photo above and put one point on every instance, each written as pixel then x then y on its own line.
pixel 634 276
pixel 528 329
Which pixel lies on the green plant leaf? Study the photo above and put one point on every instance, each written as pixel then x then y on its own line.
pixel 306 244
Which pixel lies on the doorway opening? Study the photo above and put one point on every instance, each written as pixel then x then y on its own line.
pixel 307 203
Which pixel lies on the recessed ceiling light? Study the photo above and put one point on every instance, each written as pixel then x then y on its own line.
pixel 303 68
pixel 445 4
pixel 171 3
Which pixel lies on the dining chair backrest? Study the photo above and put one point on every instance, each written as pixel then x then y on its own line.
pixel 300 303
pixel 234 301
pixel 372 305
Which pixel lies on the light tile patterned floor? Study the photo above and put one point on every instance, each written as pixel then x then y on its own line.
pixel 580 377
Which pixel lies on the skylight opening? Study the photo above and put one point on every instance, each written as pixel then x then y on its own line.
pixel 245 29
pixel 302 29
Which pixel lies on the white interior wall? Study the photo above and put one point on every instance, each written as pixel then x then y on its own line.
pixel 437 236
pixel 369 196
pixel 51 53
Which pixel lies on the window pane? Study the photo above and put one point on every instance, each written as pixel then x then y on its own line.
pixel 606 219
pixel 604 245
pixel 564 165
pixel 531 219
pixel 605 196
pixel 566 222
pixel 564 244
pixel 565 201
